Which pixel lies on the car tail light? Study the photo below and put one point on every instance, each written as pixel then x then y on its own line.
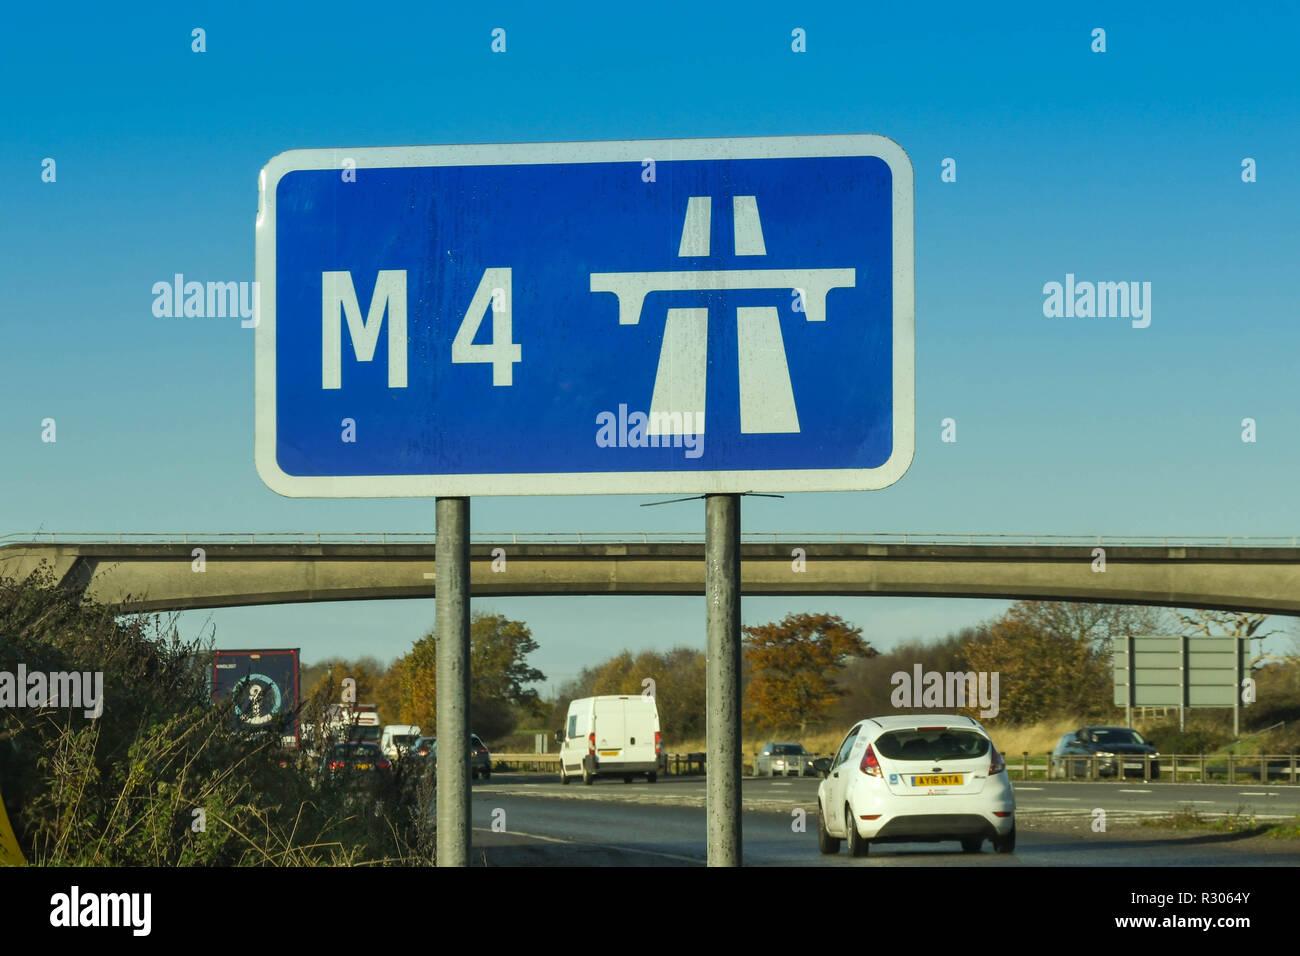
pixel 384 765
pixel 659 743
pixel 998 764
pixel 591 743
pixel 336 765
pixel 870 765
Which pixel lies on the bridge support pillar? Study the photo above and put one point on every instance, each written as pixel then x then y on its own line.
pixel 451 631
pixel 722 597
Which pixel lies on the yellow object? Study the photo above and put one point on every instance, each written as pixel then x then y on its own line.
pixel 939 780
pixel 10 855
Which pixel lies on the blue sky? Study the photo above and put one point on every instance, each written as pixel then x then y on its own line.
pixel 1123 165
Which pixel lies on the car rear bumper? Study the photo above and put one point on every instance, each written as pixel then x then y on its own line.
pixel 937 817
pixel 937 826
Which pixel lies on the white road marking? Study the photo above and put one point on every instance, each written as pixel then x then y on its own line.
pixel 1135 791
pixel 747 229
pixel 766 395
pixel 608 846
pixel 1254 793
pixel 1073 799
pixel 1029 788
pixel 677 404
pixel 695 233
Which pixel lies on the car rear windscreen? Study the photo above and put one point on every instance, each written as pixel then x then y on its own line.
pixel 355 751
pixel 788 749
pixel 931 744
pixel 1111 735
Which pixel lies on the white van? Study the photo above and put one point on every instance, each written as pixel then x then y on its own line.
pixel 397 739
pixel 614 735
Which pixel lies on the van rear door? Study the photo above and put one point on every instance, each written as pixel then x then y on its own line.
pixel 641 720
pixel 611 727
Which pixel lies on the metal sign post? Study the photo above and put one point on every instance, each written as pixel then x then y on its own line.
pixel 722 594
pixel 1184 676
pixel 451 602
pixel 1237 677
pixel 1128 679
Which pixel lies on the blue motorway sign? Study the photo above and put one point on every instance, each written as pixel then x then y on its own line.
pixel 706 315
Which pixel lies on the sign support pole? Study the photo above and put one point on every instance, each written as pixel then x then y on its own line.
pixel 722 596
pixel 451 630
pixel 1184 677
pixel 1238 676
pixel 1131 676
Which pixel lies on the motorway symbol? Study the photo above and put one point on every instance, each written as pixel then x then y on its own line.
pixel 739 320
pixel 766 395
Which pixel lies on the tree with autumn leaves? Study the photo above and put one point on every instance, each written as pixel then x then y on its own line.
pixel 499 678
pixel 1054 657
pixel 793 666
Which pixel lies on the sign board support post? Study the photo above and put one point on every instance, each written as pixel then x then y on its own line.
pixel 1236 691
pixel 722 595
pixel 451 629
pixel 1128 696
pixel 1184 697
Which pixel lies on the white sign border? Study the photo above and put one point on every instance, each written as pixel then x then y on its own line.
pixel 591 483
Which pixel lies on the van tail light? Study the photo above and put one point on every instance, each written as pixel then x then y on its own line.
pixel 870 765
pixel 659 743
pixel 998 764
pixel 591 743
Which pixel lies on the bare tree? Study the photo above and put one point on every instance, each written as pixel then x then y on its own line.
pixel 1243 625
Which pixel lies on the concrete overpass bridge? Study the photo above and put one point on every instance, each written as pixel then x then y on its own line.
pixel 156 572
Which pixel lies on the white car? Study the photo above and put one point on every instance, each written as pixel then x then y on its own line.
pixel 916 778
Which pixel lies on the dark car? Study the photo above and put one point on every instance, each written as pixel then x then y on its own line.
pixel 423 747
pixel 480 761
pixel 1111 746
pixel 358 758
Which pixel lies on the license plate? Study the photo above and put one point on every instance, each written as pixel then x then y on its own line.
pixel 363 766
pixel 938 780
pixel 609 753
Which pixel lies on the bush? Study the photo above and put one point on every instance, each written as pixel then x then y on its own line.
pixel 123 789
pixel 1168 739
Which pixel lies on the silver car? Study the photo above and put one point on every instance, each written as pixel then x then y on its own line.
pixel 783 759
